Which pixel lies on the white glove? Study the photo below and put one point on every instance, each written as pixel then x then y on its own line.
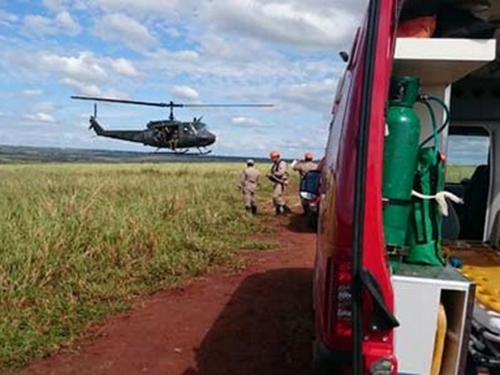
pixel 294 163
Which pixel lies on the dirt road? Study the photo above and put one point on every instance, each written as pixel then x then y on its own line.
pixel 253 321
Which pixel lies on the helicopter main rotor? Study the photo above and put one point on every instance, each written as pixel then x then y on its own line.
pixel 170 104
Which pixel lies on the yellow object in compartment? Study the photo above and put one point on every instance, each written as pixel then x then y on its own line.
pixel 437 356
pixel 482 266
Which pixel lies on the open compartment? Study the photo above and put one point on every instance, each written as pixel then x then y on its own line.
pixel 419 291
pixel 455 304
pixel 463 75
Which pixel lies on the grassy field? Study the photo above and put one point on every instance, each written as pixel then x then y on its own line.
pixel 78 241
pixel 456 173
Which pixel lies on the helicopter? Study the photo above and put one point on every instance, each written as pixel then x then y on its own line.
pixel 178 136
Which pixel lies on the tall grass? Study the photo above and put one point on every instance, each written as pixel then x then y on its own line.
pixel 77 241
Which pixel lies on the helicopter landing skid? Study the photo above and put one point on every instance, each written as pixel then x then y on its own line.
pixel 204 152
pixel 187 152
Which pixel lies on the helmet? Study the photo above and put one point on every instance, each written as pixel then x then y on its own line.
pixel 308 156
pixel 274 154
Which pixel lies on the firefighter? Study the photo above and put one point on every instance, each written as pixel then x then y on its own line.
pixel 249 180
pixel 305 165
pixel 279 177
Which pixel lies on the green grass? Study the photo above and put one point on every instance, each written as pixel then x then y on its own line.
pixel 78 241
pixel 456 173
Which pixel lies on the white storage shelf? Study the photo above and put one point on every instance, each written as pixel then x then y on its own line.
pixel 441 61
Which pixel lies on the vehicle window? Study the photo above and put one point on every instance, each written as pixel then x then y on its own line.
pixel 465 154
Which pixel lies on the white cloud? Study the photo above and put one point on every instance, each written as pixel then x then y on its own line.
pixel 7 18
pixel 186 55
pixel 40 117
pixel 122 28
pixel 85 72
pixel 185 92
pixel 46 107
pixel 82 87
pixel 37 24
pixel 145 7
pixel 84 67
pixel 32 92
pixel 264 68
pixel 172 32
pixel 246 121
pixel 124 67
pixel 234 50
pixel 66 23
pixel 314 23
pixel 55 5
pixel 315 96
pixel 63 23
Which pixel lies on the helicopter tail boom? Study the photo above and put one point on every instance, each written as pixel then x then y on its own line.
pixel 96 126
pixel 124 135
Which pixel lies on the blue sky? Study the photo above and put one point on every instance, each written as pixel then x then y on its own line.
pixel 283 52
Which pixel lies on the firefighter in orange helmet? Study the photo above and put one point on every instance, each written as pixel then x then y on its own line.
pixel 305 165
pixel 279 177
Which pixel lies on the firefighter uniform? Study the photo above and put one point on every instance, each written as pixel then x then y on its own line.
pixel 304 166
pixel 249 180
pixel 279 176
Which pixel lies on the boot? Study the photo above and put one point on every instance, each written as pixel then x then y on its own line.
pixel 248 209
pixel 286 209
pixel 278 210
pixel 254 210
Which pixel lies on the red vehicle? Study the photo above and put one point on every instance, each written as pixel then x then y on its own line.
pixel 360 300
pixel 344 247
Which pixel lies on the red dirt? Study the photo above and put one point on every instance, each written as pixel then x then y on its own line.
pixel 254 321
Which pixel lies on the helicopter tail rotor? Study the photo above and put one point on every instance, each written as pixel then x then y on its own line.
pixel 94 125
pixel 93 118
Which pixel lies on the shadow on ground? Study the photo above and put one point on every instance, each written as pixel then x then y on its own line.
pixel 300 223
pixel 266 328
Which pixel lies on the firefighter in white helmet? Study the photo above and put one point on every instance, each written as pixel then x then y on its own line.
pixel 249 181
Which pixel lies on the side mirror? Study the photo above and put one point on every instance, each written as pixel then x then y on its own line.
pixel 344 56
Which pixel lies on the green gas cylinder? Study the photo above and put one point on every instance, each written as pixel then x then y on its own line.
pixel 400 158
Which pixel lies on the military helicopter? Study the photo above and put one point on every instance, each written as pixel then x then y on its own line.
pixel 178 136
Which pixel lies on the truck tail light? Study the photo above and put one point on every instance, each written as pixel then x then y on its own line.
pixel 342 304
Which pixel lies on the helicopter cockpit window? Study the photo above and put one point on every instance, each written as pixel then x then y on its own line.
pixel 199 125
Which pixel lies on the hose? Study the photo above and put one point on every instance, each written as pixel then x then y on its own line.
pixel 435 133
pixel 425 99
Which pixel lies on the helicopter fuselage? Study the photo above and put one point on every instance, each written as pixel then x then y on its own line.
pixel 173 135
pixel 170 133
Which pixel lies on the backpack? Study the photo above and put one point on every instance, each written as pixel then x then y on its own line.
pixel 424 232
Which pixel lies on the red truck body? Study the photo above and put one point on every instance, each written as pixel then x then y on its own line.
pixel 351 163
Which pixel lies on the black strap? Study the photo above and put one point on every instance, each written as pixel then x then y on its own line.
pixel 397 201
pixel 382 319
